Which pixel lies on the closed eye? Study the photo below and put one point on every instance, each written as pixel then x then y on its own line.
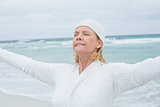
pixel 75 35
pixel 86 34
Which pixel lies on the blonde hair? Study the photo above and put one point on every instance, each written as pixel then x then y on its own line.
pixel 96 56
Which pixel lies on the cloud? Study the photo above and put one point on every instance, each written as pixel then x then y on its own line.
pixel 20 19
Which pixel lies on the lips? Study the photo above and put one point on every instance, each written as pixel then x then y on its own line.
pixel 79 44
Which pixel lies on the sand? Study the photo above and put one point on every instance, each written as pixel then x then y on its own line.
pixel 7 100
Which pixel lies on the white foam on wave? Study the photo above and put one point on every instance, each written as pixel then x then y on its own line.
pixel 53 42
pixel 42 47
pixel 131 41
pixel 4 45
pixel 34 47
pixel 66 43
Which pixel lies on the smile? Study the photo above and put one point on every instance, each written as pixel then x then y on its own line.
pixel 79 44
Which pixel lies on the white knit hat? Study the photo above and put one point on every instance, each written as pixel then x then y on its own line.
pixel 95 26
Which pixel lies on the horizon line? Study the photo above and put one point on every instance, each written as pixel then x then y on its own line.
pixel 60 38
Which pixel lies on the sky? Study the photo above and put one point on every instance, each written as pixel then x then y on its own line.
pixel 32 19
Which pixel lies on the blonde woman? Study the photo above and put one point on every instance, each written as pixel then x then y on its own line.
pixel 89 82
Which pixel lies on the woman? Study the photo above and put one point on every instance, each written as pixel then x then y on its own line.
pixel 90 82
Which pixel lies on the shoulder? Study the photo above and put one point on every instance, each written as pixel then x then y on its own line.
pixel 113 65
pixel 118 67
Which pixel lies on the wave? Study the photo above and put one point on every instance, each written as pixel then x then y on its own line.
pixel 53 44
pixel 67 42
pixel 131 41
pixel 55 40
pixel 42 47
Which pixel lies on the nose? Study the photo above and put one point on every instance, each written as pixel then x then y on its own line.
pixel 79 37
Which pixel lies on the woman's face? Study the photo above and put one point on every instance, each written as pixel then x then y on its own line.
pixel 85 41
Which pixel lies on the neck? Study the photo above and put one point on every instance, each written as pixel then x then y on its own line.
pixel 84 62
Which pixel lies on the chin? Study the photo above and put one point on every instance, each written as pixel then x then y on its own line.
pixel 79 51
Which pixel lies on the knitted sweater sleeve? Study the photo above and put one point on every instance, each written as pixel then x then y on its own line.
pixel 39 70
pixel 129 76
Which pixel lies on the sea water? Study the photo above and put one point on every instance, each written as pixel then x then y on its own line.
pixel 125 48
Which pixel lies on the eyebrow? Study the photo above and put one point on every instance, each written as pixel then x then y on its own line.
pixel 76 32
pixel 86 31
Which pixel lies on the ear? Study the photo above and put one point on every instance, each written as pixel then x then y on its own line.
pixel 100 43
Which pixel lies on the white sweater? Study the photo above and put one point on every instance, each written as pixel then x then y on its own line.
pixel 97 86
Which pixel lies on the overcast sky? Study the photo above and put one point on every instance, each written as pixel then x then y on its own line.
pixel 30 19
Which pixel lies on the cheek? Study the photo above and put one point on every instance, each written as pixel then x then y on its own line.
pixel 73 43
pixel 91 42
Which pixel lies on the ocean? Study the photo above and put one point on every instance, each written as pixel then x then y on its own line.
pixel 124 48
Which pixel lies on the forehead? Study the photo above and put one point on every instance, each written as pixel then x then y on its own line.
pixel 84 28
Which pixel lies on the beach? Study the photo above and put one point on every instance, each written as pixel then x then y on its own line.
pixel 7 100
pixel 129 49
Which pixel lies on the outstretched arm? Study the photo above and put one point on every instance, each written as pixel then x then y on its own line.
pixel 128 76
pixel 39 70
